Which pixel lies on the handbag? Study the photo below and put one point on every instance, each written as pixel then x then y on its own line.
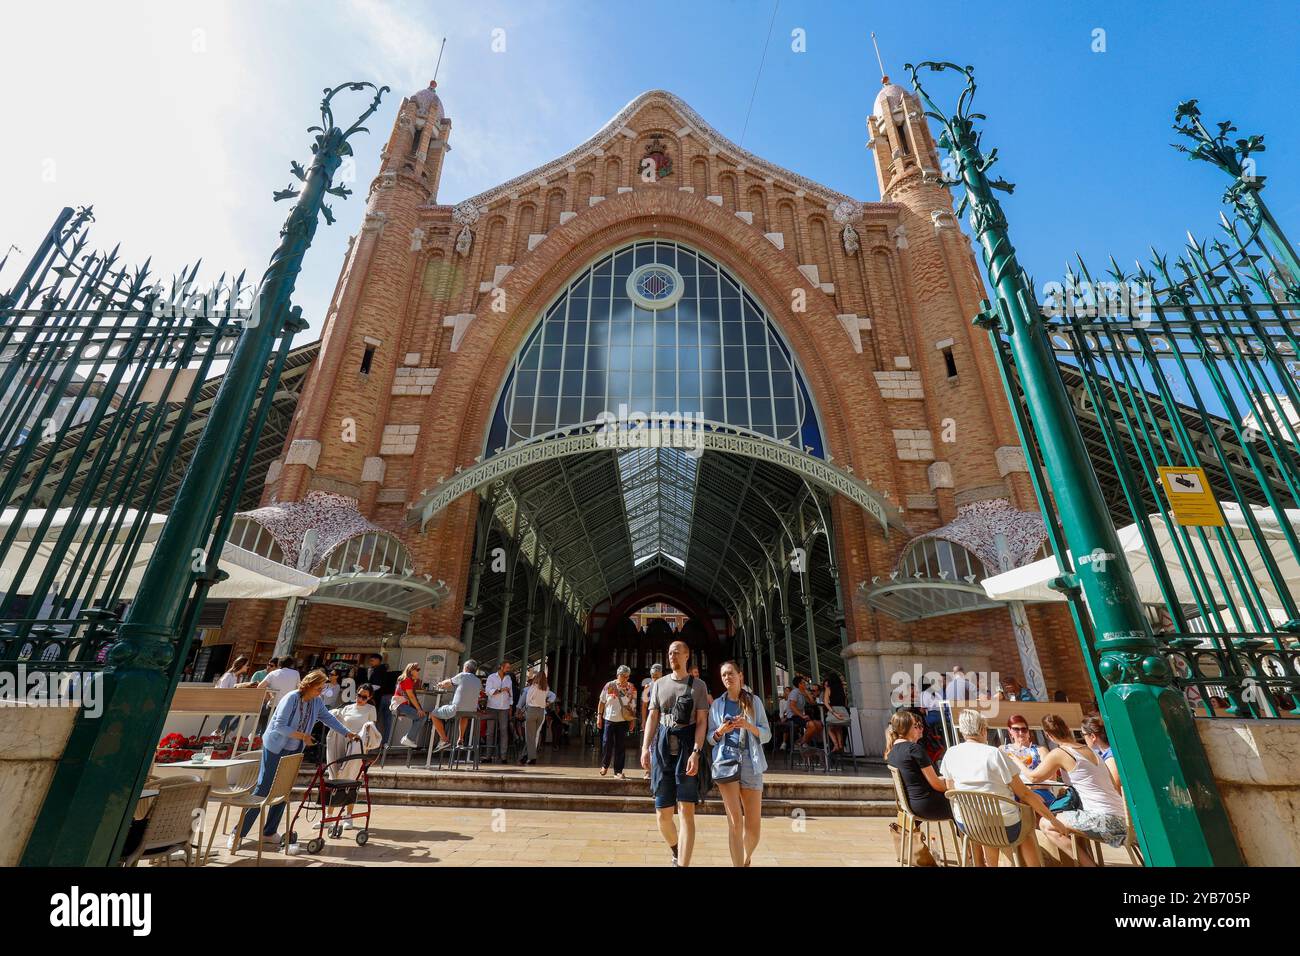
pixel 1068 800
pixel 921 855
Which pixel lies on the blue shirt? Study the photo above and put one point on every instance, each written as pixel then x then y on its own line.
pixel 293 713
pixel 753 743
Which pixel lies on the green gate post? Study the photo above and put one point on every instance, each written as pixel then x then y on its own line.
pixel 1167 778
pixel 91 799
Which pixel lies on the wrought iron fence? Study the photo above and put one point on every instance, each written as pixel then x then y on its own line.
pixel 1192 363
pixel 101 364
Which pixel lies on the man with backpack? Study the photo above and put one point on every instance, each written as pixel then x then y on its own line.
pixel 673 749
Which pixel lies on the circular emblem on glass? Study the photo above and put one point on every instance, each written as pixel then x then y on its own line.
pixel 655 286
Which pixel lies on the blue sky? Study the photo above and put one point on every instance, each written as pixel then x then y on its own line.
pixel 177 120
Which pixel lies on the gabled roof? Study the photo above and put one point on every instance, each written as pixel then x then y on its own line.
pixel 695 125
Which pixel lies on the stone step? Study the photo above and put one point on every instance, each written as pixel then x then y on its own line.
pixel 611 803
pixel 484 780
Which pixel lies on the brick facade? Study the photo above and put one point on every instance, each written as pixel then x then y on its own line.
pixel 434 300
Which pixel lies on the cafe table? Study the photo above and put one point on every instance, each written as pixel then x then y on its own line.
pixel 204 768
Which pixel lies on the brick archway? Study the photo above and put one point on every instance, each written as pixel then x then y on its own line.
pixel 467 391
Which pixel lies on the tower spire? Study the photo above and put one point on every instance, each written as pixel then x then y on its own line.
pixel 438 65
pixel 883 77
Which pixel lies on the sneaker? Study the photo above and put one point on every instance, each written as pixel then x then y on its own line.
pixel 273 840
pixel 442 746
pixel 295 848
pixel 408 742
pixel 348 824
pixel 233 841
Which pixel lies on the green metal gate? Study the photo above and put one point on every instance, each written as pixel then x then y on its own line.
pixel 101 367
pixel 1189 366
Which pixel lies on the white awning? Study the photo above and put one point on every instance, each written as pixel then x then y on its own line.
pixel 250 575
pixel 1029 583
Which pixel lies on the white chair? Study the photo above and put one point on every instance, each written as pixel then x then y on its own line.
pixel 286 774
pixel 910 822
pixel 170 824
pixel 245 779
pixel 982 822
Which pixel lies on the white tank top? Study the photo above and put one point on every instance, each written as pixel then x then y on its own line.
pixel 1096 789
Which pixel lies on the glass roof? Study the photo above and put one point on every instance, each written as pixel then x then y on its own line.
pixel 658 486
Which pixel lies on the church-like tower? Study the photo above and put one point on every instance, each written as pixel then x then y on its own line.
pixel 977 455
pixel 340 428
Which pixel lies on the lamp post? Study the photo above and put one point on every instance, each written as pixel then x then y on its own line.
pixel 1167 778
pixel 84 818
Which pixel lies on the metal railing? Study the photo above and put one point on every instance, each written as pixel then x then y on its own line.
pixel 101 367
pixel 1192 363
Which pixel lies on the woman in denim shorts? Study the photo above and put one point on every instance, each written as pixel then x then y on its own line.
pixel 738 728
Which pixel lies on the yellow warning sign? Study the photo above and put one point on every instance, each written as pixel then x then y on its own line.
pixel 1191 497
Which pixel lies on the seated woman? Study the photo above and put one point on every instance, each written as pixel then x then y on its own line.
pixel 975 765
pixel 1022 749
pixel 904 753
pixel 1094 735
pixel 1102 815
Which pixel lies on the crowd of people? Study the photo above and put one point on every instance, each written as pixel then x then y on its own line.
pixel 692 741
pixel 1087 800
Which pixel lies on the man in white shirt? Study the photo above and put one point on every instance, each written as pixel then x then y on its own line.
pixel 959 689
pixel 500 697
pixel 281 680
pixel 277 683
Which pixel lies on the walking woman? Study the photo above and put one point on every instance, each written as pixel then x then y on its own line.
pixel 537 697
pixel 738 729
pixel 615 714
pixel 298 711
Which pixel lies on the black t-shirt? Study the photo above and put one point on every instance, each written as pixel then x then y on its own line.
pixel 910 759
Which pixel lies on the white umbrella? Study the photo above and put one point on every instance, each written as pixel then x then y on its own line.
pixel 250 574
pixel 1029 583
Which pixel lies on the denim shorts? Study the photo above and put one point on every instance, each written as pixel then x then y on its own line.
pixel 750 779
pixel 1013 831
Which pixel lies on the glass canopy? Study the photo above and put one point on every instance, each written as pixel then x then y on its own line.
pixel 659 495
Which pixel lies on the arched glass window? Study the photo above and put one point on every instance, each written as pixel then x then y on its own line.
pixel 655 328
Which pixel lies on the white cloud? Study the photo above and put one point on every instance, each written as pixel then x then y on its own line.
pixel 178 120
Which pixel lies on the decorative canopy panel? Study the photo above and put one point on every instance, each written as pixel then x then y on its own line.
pixel 978 525
pixel 939 572
pixel 359 564
pixel 334 518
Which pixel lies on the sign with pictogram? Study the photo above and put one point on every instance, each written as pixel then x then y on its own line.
pixel 1190 497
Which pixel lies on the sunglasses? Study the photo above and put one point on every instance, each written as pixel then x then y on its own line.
pixel 1020 728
